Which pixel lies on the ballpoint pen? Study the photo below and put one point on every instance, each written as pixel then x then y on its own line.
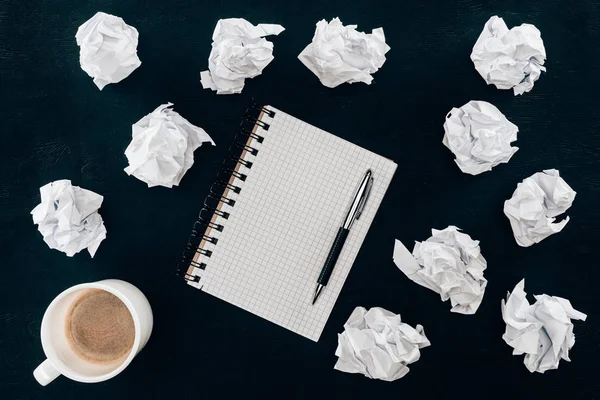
pixel 356 208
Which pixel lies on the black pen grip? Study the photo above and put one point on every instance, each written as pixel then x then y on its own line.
pixel 334 253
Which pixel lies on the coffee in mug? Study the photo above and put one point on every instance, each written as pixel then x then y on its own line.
pixel 99 327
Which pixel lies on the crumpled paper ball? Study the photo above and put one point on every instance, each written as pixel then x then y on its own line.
pixel 510 59
pixel 108 49
pixel 162 147
pixel 378 345
pixel 339 53
pixel 542 331
pixel 449 263
pixel 479 135
pixel 239 51
pixel 68 218
pixel 535 204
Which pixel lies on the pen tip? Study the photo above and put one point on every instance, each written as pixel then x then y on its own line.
pixel 317 293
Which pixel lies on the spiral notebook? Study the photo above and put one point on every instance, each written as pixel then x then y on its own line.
pixel 272 214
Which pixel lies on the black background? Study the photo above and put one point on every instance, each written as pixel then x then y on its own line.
pixel 55 124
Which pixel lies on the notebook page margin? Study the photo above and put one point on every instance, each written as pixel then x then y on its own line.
pixel 234 180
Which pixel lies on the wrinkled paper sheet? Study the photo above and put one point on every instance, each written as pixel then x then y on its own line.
pixel 543 331
pixel 378 345
pixel 480 137
pixel 239 51
pixel 535 204
pixel 162 147
pixel 339 53
pixel 108 49
pixel 68 218
pixel 510 59
pixel 449 263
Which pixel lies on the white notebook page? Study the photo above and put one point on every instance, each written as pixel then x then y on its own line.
pixel 284 221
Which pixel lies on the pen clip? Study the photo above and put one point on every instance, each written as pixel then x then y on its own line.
pixel 365 197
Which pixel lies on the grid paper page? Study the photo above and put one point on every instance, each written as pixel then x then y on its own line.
pixel 284 221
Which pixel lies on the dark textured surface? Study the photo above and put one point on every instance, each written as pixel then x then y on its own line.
pixel 57 125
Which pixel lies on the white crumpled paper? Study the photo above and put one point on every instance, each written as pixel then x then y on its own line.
pixel 68 218
pixel 378 345
pixel 339 53
pixel 239 51
pixel 449 263
pixel 534 205
pixel 510 59
pixel 108 49
pixel 162 147
pixel 479 135
pixel 543 331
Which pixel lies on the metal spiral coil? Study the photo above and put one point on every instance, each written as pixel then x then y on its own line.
pixel 221 189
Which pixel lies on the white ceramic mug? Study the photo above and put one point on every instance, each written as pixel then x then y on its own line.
pixel 61 358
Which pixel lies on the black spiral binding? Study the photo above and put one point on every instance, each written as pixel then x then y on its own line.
pixel 216 194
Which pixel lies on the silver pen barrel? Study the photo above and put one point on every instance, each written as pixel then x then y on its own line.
pixel 359 200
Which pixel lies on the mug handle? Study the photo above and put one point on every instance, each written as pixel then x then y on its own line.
pixel 45 373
